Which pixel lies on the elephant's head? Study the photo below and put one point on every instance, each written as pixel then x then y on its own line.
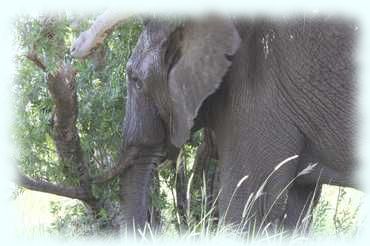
pixel 172 70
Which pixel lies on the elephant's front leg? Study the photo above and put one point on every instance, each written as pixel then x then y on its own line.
pixel 301 201
pixel 256 172
pixel 304 193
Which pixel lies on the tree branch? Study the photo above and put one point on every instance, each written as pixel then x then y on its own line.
pixel 109 174
pixel 32 56
pixel 62 89
pixel 44 186
pixel 89 40
pixel 61 86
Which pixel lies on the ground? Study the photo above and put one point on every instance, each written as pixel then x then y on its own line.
pixel 337 211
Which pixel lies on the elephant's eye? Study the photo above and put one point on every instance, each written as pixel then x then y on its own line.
pixel 138 84
pixel 136 81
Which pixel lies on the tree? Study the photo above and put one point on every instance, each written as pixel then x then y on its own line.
pixel 68 122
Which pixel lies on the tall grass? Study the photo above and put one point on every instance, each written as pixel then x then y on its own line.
pixel 336 214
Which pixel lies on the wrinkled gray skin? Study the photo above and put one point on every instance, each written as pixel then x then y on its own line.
pixel 267 89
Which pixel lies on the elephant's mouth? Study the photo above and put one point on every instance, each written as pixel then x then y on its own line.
pixel 131 157
pixel 142 156
pixel 150 155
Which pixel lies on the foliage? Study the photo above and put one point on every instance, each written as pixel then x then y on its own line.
pixel 74 220
pixel 337 212
pixel 320 219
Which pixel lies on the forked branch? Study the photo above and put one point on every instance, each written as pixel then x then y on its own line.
pixel 61 86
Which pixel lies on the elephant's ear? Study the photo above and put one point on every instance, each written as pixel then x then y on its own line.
pixel 203 60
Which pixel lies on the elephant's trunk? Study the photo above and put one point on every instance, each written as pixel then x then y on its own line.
pixel 135 184
pixel 134 187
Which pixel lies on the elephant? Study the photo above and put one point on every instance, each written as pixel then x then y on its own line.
pixel 268 90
